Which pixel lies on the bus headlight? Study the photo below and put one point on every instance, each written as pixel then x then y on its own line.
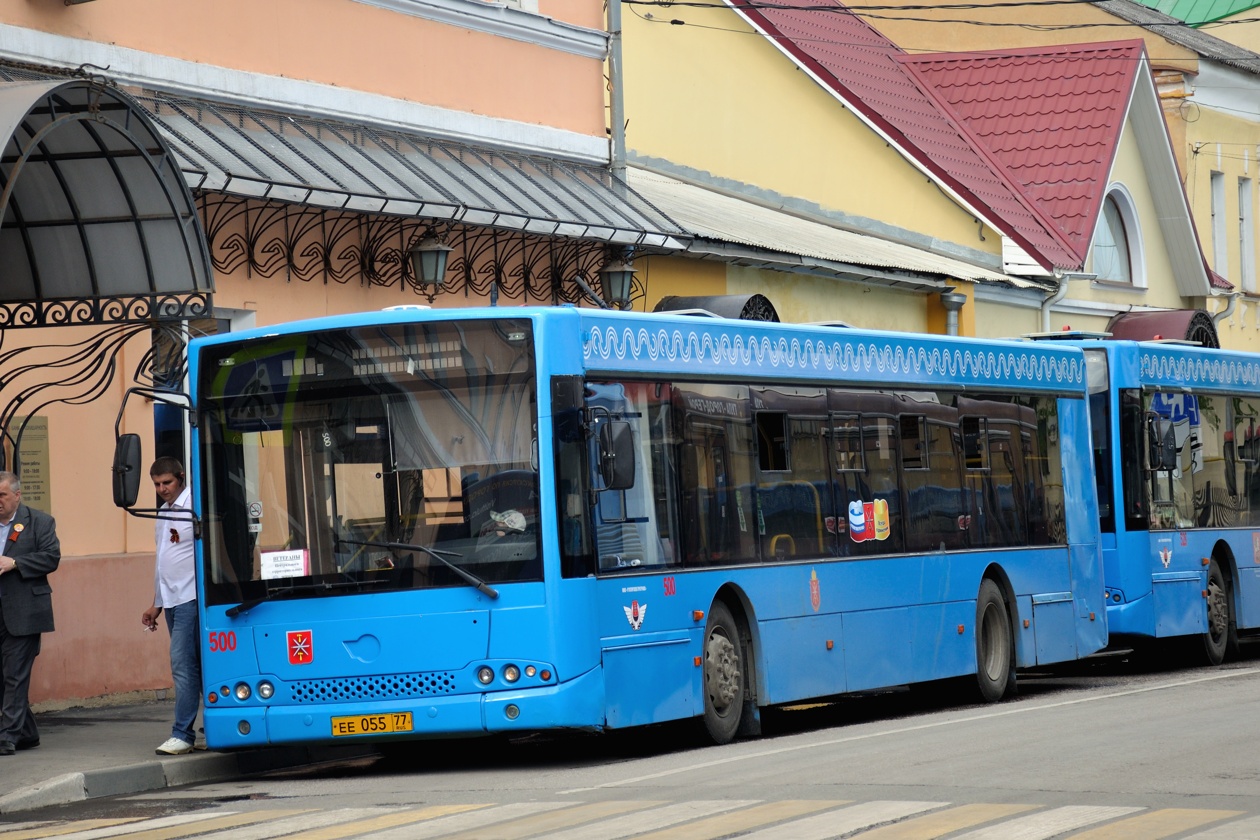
pixel 485 675
pixel 511 673
pixel 266 690
pixel 242 691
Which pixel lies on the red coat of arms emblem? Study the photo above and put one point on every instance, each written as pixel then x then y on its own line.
pixel 301 647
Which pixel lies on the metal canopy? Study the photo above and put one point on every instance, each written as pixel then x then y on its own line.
pixel 1172 324
pixel 98 225
pixel 315 162
pixel 730 227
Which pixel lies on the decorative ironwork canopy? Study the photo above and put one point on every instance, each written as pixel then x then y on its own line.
pixel 319 163
pixel 98 223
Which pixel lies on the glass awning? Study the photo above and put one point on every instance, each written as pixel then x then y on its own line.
pixel 98 225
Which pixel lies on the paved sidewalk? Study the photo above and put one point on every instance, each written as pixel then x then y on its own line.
pixel 89 752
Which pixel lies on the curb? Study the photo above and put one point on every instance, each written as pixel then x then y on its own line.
pixel 170 772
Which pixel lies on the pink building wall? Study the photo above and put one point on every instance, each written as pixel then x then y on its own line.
pixel 106 576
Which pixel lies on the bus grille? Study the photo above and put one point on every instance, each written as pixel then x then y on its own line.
pixel 372 688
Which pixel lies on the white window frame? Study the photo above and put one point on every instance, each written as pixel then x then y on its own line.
pixel 1220 242
pixel 1123 200
pixel 1246 237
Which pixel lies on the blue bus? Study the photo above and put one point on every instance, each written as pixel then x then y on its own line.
pixel 424 523
pixel 1177 459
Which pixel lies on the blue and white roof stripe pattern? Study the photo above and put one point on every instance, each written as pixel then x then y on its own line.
pixel 705 347
pixel 1204 368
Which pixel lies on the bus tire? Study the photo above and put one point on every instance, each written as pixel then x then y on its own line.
pixel 1222 633
pixel 995 646
pixel 725 676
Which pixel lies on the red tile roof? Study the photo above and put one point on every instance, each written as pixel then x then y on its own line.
pixel 1023 183
pixel 1050 116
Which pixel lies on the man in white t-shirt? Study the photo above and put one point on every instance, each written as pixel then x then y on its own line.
pixel 175 591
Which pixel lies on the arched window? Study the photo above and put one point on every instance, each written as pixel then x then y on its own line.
pixel 1117 253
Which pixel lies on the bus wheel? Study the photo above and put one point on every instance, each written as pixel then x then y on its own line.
pixel 995 649
pixel 723 675
pixel 1220 617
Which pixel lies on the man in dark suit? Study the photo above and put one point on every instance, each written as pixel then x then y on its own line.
pixel 29 551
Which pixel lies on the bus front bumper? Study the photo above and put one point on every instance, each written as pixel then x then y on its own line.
pixel 576 704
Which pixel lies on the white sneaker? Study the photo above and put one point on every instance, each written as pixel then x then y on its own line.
pixel 174 746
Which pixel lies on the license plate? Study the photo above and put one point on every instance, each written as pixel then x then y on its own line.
pixel 372 724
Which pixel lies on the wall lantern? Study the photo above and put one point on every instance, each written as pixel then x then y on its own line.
pixel 618 276
pixel 428 263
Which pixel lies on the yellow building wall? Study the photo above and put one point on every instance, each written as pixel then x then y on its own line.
pixel 921 29
pixel 1160 289
pixel 354 46
pixel 1002 320
pixel 1242 29
pixel 723 101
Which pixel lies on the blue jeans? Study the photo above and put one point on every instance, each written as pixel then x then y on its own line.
pixel 181 620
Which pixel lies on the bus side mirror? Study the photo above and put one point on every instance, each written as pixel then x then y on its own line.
pixel 1162 438
pixel 616 455
pixel 126 470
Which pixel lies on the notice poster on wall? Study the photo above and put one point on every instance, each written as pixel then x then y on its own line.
pixel 286 564
pixel 32 461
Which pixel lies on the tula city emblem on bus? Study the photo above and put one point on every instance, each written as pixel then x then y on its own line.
pixel 635 614
pixel 815 591
pixel 301 647
pixel 868 520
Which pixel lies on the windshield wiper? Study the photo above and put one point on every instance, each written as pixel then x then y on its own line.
pixel 436 554
pixel 285 591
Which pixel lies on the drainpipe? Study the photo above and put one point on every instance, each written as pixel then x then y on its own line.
pixel 1226 312
pixel 1049 302
pixel 953 302
pixel 1063 277
pixel 616 96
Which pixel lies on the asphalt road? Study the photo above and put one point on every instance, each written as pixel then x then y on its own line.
pixel 1104 748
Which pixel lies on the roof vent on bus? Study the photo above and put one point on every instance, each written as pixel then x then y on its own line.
pixel 1066 335
pixel 403 307
pixel 738 307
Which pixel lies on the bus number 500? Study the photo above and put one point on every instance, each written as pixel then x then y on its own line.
pixel 223 641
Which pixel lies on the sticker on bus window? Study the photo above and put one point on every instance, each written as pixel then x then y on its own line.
pixel 868 520
pixel 285 564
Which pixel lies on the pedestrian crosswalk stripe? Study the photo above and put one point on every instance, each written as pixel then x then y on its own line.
pixel 53 830
pixel 444 826
pixel 393 819
pixel 747 819
pixel 301 822
pixel 1248 829
pixel 214 823
pixel 1050 823
pixel 545 823
pixel 943 822
pixel 858 817
pixel 654 819
pixel 744 819
pixel 132 825
pixel 1156 824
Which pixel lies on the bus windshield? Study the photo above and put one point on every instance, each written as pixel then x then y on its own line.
pixel 373 459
